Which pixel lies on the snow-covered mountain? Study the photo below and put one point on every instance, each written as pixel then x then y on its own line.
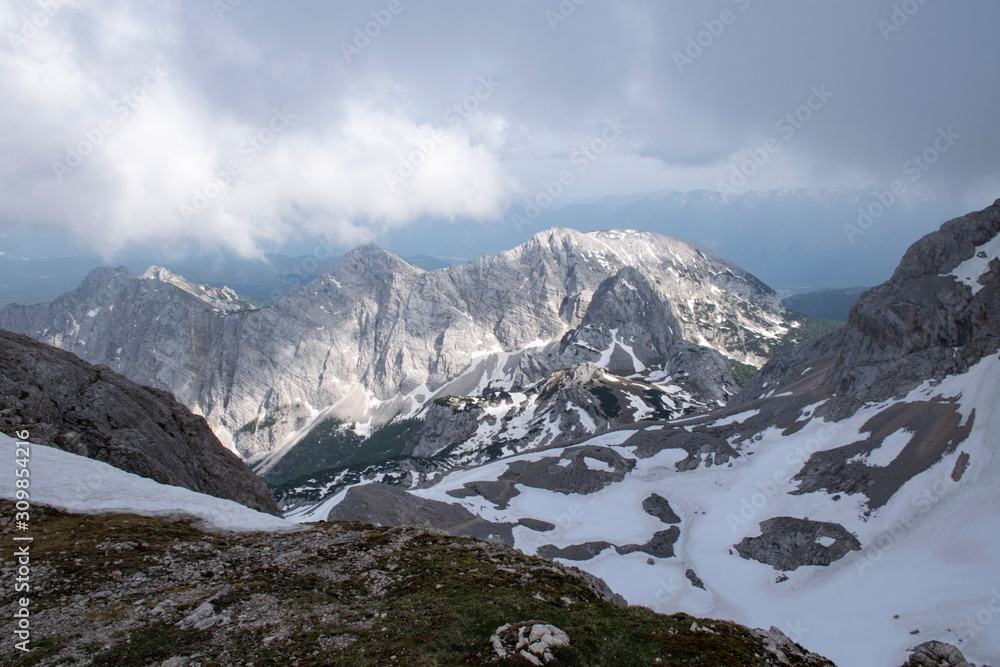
pixel 377 337
pixel 847 494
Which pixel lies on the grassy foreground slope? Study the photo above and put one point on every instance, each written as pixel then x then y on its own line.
pixel 130 590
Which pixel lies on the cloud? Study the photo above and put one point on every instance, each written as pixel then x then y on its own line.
pixel 461 110
pixel 114 143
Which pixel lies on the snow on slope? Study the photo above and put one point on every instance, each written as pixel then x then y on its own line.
pixel 79 484
pixel 930 556
pixel 969 271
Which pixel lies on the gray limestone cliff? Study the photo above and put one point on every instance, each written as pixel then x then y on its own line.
pixel 935 316
pixel 92 411
pixel 376 337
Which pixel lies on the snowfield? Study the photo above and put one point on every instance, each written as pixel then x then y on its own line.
pixel 929 562
pixel 78 484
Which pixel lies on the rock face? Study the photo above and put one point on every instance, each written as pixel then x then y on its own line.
pixel 658 506
pixel 787 543
pixel 376 336
pixel 569 404
pixel 935 317
pixel 785 650
pixel 532 640
pixel 92 411
pixel 585 469
pixel 661 545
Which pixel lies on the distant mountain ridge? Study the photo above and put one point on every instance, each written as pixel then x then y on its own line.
pixel 376 337
pixel 825 304
pixel 30 281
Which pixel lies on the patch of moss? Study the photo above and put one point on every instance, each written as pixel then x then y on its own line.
pixel 41 651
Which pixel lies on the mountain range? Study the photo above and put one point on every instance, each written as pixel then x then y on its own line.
pixel 375 337
pixel 761 231
pixel 575 398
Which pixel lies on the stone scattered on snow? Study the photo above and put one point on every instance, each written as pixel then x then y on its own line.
pixel 936 654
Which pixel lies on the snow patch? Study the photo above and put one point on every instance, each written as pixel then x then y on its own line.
pixel 969 271
pixel 738 418
pixel 103 489
pixel 596 464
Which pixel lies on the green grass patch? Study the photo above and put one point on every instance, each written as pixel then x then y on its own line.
pixel 327 445
pixel 385 443
pixel 740 372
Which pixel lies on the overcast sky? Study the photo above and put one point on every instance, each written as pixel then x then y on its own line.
pixel 241 123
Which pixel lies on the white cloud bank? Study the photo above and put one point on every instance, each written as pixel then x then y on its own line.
pixel 110 141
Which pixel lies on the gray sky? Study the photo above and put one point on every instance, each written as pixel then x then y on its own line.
pixel 241 123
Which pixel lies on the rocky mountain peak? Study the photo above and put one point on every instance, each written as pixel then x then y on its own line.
pixel 583 373
pixel 956 241
pixel 222 298
pixel 376 337
pixel 373 259
pixel 104 277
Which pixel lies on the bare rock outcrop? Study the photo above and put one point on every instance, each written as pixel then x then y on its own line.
pixel 924 323
pixel 937 654
pixel 787 543
pixel 65 402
